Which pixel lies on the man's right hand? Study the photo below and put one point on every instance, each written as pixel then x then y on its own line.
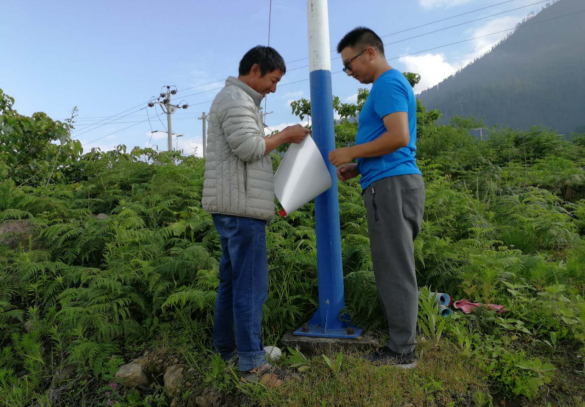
pixel 291 134
pixel 347 172
pixel 296 134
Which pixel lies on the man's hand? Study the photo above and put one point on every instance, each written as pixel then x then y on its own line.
pixel 341 156
pixel 347 172
pixel 296 134
pixel 291 134
pixel 397 136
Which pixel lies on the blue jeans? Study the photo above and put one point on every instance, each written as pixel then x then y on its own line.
pixel 243 288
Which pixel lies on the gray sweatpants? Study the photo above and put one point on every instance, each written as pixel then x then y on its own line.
pixel 395 207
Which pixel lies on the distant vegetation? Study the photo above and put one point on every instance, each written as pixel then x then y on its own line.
pixel 534 77
pixel 105 255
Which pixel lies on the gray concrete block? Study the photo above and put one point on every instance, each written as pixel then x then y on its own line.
pixel 310 346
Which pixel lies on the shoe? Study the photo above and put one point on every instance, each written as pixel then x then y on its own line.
pixel 268 375
pixel 385 356
pixel 232 362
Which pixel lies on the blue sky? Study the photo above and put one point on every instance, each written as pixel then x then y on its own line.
pixel 110 56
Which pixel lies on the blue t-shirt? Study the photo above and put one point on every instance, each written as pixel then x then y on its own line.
pixel 390 93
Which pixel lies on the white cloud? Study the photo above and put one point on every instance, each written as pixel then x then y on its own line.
pixel 191 146
pixel 442 3
pixel 351 99
pixel 483 45
pixel 432 68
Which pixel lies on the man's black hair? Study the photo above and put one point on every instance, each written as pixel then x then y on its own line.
pixel 361 37
pixel 267 58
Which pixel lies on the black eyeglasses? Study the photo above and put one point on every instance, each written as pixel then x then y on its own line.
pixel 347 65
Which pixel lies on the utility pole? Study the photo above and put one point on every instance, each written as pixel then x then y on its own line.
pixel 264 119
pixel 164 101
pixel 204 117
pixel 480 132
pixel 264 115
pixel 169 112
pixel 326 321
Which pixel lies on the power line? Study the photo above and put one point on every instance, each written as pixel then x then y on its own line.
pixel 137 121
pixel 201 103
pixel 200 93
pixel 486 35
pixel 427 24
pixel 453 43
pixel 445 19
pixel 118 131
pixel 397 32
pixel 159 119
pixel 138 118
pixel 111 134
pixel 419 52
pixel 200 86
pixel 444 28
pixel 114 121
pixel 87 131
pixel 302 59
pixel 149 123
pixel 92 118
pixel 117 114
pixel 86 125
pixel 393 58
pixel 383 36
pixel 143 121
pixel 468 22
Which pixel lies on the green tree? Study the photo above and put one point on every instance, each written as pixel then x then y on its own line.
pixel 28 153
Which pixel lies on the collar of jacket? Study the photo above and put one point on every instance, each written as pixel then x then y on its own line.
pixel 256 97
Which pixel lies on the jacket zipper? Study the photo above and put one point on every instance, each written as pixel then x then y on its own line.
pixel 374 204
pixel 245 177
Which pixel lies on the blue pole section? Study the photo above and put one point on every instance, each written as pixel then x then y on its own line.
pixel 326 321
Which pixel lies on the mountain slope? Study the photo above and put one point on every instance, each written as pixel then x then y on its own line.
pixel 534 77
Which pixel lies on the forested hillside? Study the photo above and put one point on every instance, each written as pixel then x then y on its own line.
pixel 534 77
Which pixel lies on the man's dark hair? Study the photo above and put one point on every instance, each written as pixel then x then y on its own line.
pixel 267 58
pixel 361 37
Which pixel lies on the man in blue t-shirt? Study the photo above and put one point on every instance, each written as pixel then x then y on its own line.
pixel 392 186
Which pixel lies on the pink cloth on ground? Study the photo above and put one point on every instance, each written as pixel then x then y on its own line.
pixel 467 306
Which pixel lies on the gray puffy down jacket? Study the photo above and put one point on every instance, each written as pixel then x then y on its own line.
pixel 238 176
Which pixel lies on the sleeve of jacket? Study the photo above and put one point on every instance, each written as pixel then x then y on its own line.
pixel 240 126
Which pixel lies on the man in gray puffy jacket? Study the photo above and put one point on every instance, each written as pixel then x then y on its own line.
pixel 239 193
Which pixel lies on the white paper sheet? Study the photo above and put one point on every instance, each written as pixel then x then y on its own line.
pixel 301 176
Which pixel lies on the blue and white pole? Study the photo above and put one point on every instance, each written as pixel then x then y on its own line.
pixel 326 321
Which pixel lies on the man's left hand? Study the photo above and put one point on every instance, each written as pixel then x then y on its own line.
pixel 341 156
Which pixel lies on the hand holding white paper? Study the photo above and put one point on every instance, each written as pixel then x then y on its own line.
pixel 301 176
